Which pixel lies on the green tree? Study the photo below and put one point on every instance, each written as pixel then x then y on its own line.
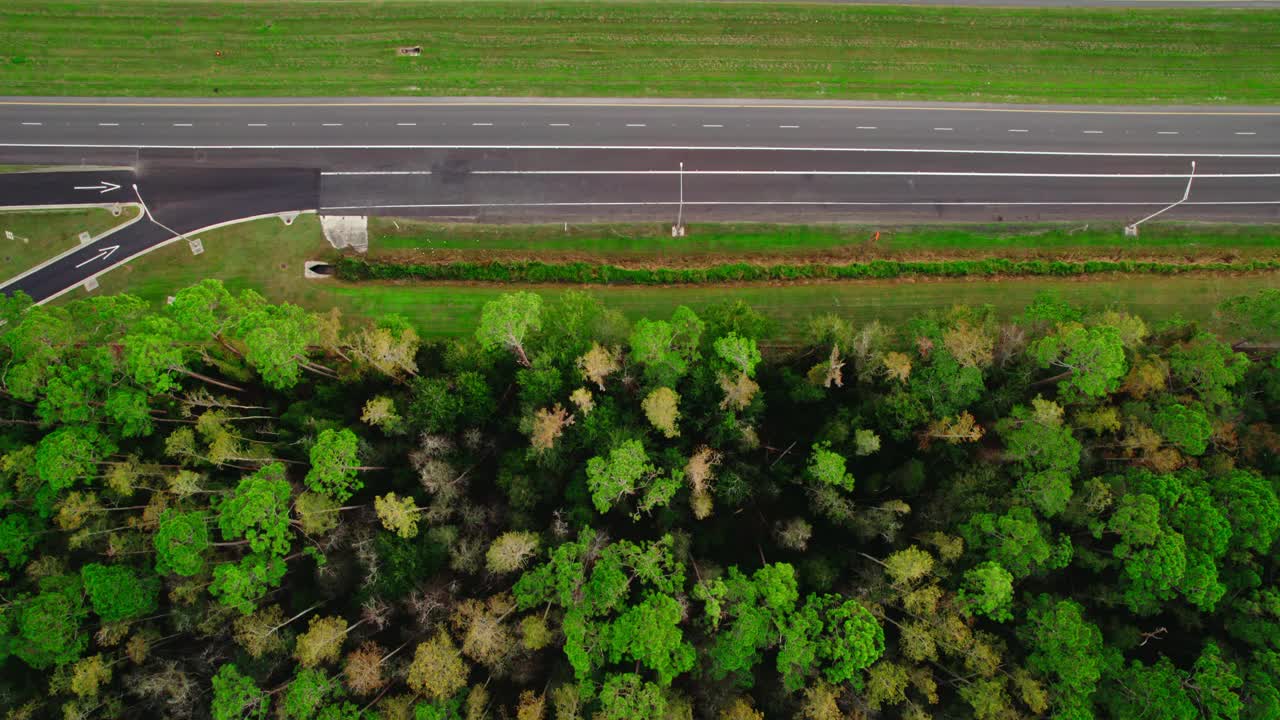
pixel 239 585
pixel 48 624
pixel 828 467
pixel 1186 426
pixel 626 471
pixel 738 353
pixel 117 593
pixel 69 455
pixel 1091 358
pixel 308 693
pixel 334 463
pixel 627 696
pixel 180 543
pixel 1208 367
pixel 508 321
pixel 236 697
pixel 1249 502
pixel 1045 451
pixel 17 538
pixel 649 634
pixel 276 339
pixel 667 349
pixel 988 590
pixel 1064 645
pixel 258 511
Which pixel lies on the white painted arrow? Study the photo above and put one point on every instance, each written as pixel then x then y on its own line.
pixel 102 187
pixel 103 254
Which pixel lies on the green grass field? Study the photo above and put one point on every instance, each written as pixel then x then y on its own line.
pixel 267 256
pixel 636 49
pixel 48 233
pixel 652 241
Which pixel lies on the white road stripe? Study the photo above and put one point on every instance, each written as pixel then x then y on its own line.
pixel 650 148
pixel 943 129
pixel 330 124
pixel 640 125
pixel 712 126
pixel 1092 132
pixel 558 124
pixel 108 124
pixel 256 124
pixel 1246 133
pixel 481 124
pixel 406 124
pixel 32 123
pixel 1018 130
pixel 878 173
pixel 789 127
pixel 182 124
pixel 866 127
pixel 839 203
pixel 376 172
pixel 1166 132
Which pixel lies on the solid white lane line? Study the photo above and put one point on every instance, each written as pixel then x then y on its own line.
pixel 376 172
pixel 673 203
pixel 636 125
pixel 481 124
pixel 712 126
pixel 558 124
pixel 330 124
pixel 32 123
pixel 406 124
pixel 182 124
pixel 789 127
pixel 650 148
pixel 1246 133
pixel 256 124
pixel 1018 130
pixel 1092 132
pixel 881 173
pixel 866 127
pixel 1166 132
pixel 943 129
pixel 108 124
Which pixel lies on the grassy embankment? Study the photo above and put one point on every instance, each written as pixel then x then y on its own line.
pixel 441 309
pixel 639 49
pixel 49 233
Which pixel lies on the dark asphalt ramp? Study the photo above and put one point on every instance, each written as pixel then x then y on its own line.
pixel 186 198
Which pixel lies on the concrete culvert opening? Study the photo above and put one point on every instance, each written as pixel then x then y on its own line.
pixel 316 269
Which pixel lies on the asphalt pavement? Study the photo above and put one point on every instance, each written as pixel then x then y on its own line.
pixel 199 163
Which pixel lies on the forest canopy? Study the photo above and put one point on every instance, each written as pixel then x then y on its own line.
pixel 229 508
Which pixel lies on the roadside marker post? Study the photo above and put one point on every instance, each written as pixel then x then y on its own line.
pixel 677 230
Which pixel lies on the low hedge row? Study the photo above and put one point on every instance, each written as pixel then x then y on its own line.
pixel 352 268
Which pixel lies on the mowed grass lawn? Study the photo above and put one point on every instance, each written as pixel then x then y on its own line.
pixel 42 234
pixel 721 242
pixel 636 49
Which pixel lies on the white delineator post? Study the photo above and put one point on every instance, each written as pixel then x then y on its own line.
pixel 1132 230
pixel 677 230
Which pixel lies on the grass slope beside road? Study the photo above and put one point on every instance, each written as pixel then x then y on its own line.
pixel 641 49
pixel 42 234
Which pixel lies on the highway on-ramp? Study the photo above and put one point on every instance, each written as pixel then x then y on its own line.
pixel 199 163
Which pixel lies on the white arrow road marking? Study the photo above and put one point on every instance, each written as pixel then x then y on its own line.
pixel 102 187
pixel 103 254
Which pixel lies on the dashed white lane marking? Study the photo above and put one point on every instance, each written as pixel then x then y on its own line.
pixel 650 148
pixel 1246 133
pixel 330 124
pixel 558 124
pixel 108 124
pixel 705 125
pixel 182 124
pixel 673 203
pixel 256 124
pixel 481 124
pixel 866 127
pixel 32 123
pixel 1092 132
pixel 943 129
pixel 1018 130
pixel 789 127
pixel 406 124
pixel 636 125
pixel 1166 132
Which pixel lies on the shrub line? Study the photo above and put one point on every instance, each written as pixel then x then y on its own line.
pixel 581 273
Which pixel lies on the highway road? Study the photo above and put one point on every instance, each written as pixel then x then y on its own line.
pixel 203 162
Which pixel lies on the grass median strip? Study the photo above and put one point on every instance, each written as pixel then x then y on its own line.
pixel 639 49
pixel 42 234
